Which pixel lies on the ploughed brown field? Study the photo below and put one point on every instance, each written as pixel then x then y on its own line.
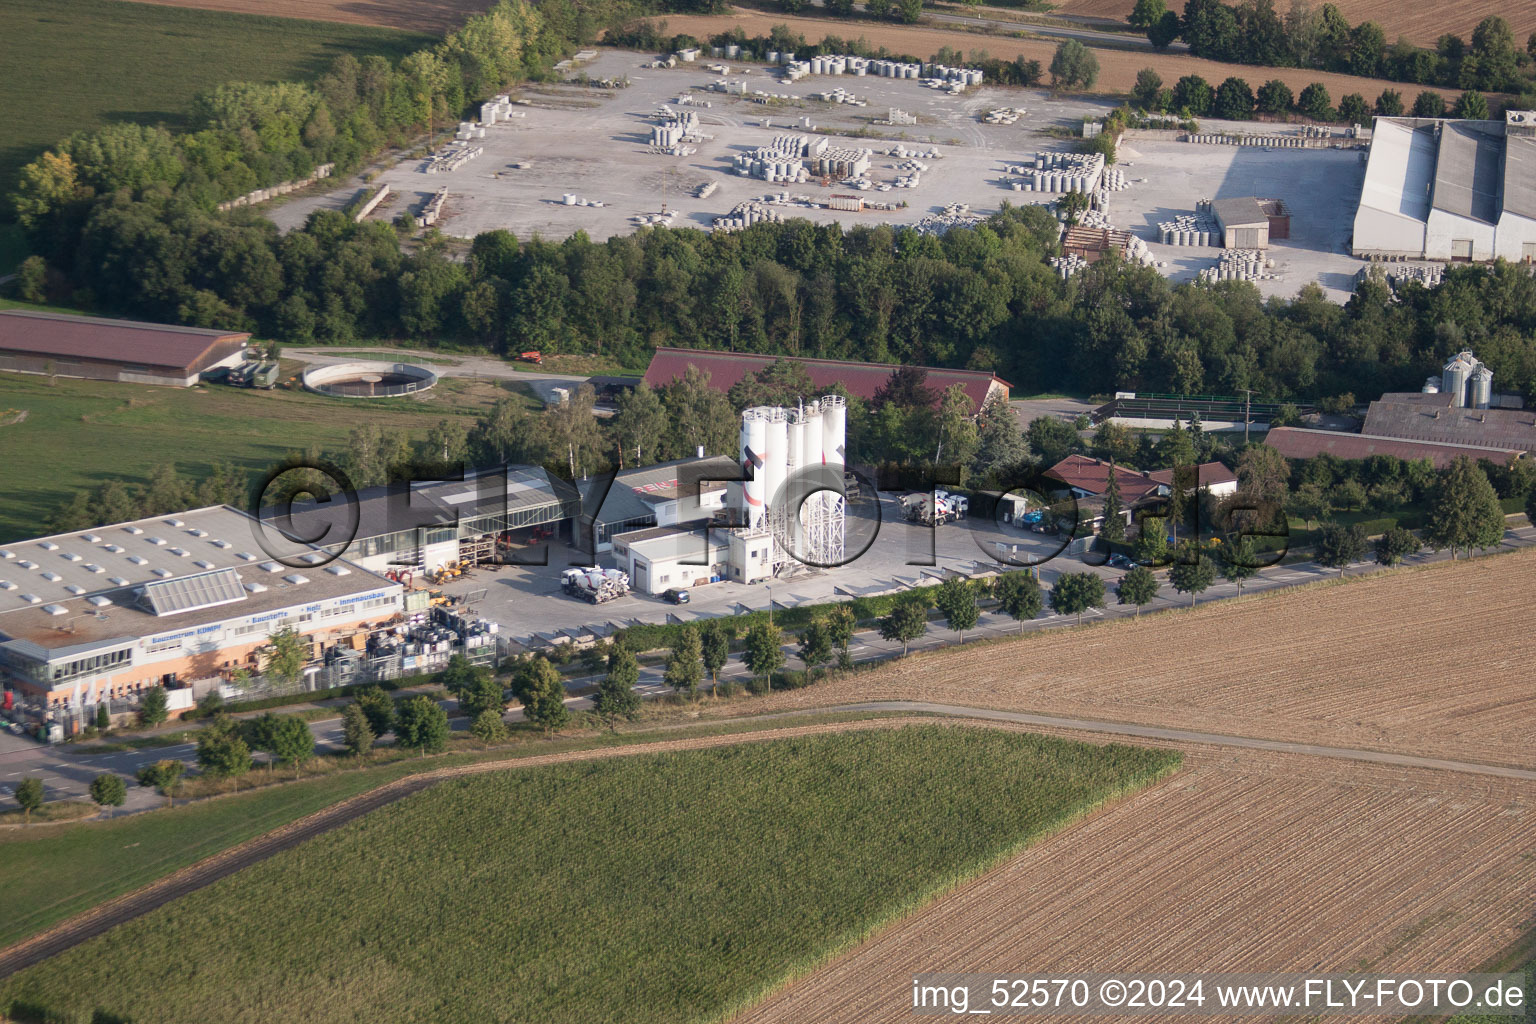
pixel 1247 859
pixel 1435 661
pixel 432 16
pixel 1117 68
pixel 1243 861
pixel 1421 23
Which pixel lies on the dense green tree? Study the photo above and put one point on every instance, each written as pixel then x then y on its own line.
pixel 685 667
pixel 287 653
pixel 1193 94
pixel 1353 109
pixel 1148 82
pixel 763 652
pixel 906 621
pixel 1052 439
pixel 152 706
pixel 1389 103
pixel 28 796
pixel 616 697
pixel 1147 13
pixel 1274 97
pixel 1193 571
pixel 956 600
pixel 541 691
pixel 1338 546
pixel 1471 104
pixel 292 741
pixel 1239 561
pixel 421 722
pixel 221 750
pixel 356 733
pixel 162 775
pixel 109 790
pixel 1137 587
pixel 1000 448
pixel 1464 510
pixel 1429 104
pixel 378 707
pixel 483 694
pixel 1164 32
pixel 638 425
pixel 714 648
pixel 103 717
pixel 1073 66
pixel 1395 545
pixel 1074 593
pixel 488 727
pixel 815 647
pixel 1113 529
pixel 1018 595
pixel 1234 100
pixel 1314 102
pixel 1151 546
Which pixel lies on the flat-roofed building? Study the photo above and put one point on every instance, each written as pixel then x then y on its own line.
pixel 57 344
pixel 666 494
pixel 108 612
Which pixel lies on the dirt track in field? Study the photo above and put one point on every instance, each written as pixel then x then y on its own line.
pixel 1117 68
pixel 431 16
pixel 1436 662
pixel 1240 862
pixel 1421 23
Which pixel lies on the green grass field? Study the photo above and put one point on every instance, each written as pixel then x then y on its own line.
pixel 78 64
pixel 664 888
pixel 79 433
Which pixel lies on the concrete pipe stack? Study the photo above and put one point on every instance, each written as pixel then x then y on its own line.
pixel 1240 265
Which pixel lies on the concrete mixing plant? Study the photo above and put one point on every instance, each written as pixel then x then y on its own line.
pixel 793 493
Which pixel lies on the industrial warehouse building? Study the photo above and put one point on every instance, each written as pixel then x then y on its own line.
pixel 666 494
pixel 1302 443
pixel 105 613
pixel 56 344
pixel 434 523
pixel 861 379
pixel 1450 190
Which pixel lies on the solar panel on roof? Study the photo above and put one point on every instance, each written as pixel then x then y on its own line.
pixel 189 593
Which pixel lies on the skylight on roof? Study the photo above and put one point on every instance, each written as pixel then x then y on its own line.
pixel 156 541
pixel 190 593
pixel 74 588
pixel 93 567
pixel 135 530
pixel 271 567
pixel 202 563
pixel 296 579
pixel 6 555
pixel 246 556
pixel 219 543
pixel 70 556
pixel 174 522
pixel 117 581
pixel 55 609
pixel 90 538
pixel 116 549
pixel 27 564
pixel 338 570
pixel 256 588
pixel 48 545
pixel 7 585
pixel 138 559
pixel 179 552
pixel 99 601
pixel 198 533
pixel 31 599
pixel 164 574
pixel 52 577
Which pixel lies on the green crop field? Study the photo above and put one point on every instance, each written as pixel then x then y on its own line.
pixel 79 433
pixel 77 64
pixel 664 888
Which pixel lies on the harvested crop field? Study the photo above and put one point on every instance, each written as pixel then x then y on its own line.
pixel 433 16
pixel 1433 661
pixel 1421 23
pixel 1240 862
pixel 1117 68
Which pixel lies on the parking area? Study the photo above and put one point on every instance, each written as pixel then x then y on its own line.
pixel 527 600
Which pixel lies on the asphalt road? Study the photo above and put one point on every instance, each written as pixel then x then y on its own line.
pixel 67 776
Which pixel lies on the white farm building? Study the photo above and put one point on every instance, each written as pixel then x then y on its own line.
pixel 1450 190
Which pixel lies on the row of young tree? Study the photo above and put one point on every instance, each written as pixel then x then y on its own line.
pixel 1235 100
pixel 1255 32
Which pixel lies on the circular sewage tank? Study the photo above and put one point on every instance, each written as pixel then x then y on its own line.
pixel 368 379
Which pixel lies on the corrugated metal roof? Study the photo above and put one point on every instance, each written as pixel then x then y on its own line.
pixel 861 379
pixel 1300 443
pixel 1467 173
pixel 185 349
pixel 1520 175
pixel 1243 212
pixel 1418 417
pixel 1400 170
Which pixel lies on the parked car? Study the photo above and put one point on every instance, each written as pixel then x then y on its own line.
pixel 1121 562
pixel 677 595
